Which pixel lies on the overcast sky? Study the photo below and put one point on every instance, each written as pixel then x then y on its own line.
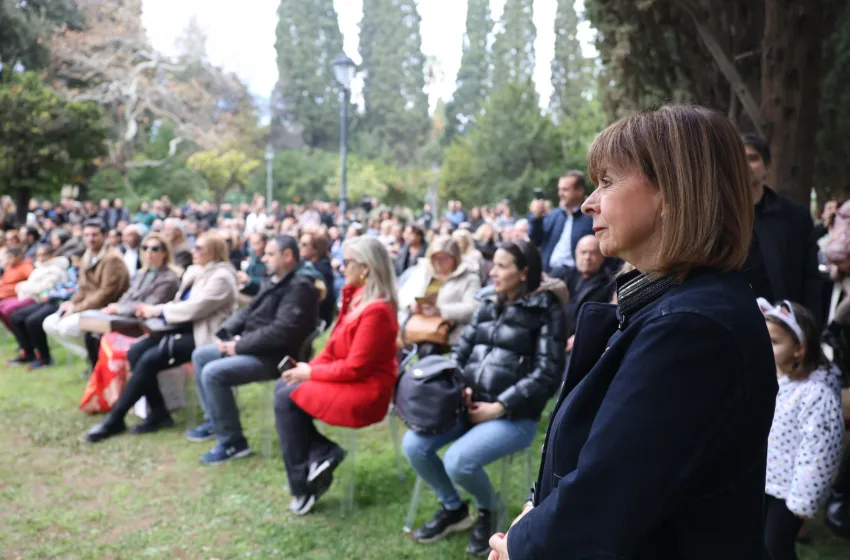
pixel 242 35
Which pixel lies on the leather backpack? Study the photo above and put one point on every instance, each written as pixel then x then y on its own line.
pixel 429 395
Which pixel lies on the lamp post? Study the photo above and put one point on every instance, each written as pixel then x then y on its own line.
pixel 269 161
pixel 344 70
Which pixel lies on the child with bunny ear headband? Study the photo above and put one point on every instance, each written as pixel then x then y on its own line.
pixel 807 430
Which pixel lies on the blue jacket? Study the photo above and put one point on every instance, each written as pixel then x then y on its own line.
pixel 657 448
pixel 545 232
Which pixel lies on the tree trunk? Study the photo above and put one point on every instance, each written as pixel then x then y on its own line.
pixel 791 59
pixel 22 205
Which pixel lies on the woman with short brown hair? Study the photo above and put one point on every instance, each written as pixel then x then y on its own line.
pixel 657 448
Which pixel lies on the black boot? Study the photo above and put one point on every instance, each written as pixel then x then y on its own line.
pixel 154 422
pixel 106 429
pixel 479 540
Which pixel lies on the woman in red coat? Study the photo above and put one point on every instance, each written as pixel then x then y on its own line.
pixel 350 383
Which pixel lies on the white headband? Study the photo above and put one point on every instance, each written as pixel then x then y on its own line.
pixel 785 313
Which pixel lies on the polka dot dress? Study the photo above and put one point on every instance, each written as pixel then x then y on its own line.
pixel 804 446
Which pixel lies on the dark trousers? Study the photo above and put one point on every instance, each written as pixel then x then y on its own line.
pixel 92 341
pixel 780 530
pixel 841 486
pixel 147 358
pixel 300 442
pixel 26 326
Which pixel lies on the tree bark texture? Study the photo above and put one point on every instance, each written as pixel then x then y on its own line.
pixel 791 60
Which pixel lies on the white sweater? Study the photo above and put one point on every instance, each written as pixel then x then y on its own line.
pixel 805 440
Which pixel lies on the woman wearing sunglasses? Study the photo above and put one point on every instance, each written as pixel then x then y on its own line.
pixel 206 297
pixel 157 282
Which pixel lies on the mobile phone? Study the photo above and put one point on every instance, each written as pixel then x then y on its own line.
pixel 286 363
pixel 538 194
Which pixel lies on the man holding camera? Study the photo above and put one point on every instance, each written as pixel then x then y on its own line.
pixel 557 233
pixel 251 344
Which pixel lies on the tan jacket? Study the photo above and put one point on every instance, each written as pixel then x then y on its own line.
pixel 456 298
pixel 211 301
pixel 44 278
pixel 103 278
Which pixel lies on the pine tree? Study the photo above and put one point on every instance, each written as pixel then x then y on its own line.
pixel 307 94
pixel 473 78
pixel 571 72
pixel 396 121
pixel 513 51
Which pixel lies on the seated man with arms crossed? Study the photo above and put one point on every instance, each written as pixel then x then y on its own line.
pixel 252 343
pixel 103 278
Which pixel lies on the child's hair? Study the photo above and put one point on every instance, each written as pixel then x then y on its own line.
pixel 813 356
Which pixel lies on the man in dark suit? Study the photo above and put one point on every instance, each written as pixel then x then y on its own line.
pixel 783 260
pixel 556 234
pixel 588 281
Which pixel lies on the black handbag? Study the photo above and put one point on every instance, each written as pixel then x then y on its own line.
pixel 429 396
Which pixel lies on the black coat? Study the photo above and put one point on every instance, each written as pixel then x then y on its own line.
pixel 657 448
pixel 514 354
pixel 405 259
pixel 599 288
pixel 784 232
pixel 277 321
pixel 327 307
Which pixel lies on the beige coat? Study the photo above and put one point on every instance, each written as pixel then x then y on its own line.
pixel 456 298
pixel 44 278
pixel 211 301
pixel 103 278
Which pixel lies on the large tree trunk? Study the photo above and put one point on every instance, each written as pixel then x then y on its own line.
pixel 791 60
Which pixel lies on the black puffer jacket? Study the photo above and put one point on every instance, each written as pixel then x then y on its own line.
pixel 515 354
pixel 277 321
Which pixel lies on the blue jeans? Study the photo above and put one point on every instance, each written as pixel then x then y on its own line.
pixel 474 447
pixel 215 375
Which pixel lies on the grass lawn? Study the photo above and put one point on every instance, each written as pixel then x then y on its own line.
pixel 149 497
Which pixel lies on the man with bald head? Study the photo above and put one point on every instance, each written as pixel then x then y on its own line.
pixel 587 281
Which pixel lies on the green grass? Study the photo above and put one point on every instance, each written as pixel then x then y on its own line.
pixel 149 497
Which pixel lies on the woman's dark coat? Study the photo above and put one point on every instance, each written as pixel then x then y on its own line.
pixel 657 449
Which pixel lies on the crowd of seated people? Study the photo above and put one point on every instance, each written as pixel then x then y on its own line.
pixel 234 290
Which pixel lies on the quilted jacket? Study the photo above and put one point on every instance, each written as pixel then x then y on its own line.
pixel 514 353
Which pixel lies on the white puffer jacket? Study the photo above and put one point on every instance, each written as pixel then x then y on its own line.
pixel 45 276
pixel 805 440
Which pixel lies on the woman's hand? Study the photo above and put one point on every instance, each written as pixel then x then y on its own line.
pixel 480 412
pixel 146 311
pixel 112 309
pixel 301 372
pixel 499 546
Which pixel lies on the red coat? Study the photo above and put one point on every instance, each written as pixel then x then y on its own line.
pixel 352 379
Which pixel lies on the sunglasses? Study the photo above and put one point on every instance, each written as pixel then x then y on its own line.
pixel 198 248
pixel 152 248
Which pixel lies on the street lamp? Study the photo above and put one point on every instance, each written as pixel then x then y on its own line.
pixel 344 70
pixel 269 161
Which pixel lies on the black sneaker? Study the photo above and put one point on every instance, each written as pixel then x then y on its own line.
pixel 444 522
pixel 40 363
pixel 302 505
pixel 321 472
pixel 21 359
pixel 479 540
